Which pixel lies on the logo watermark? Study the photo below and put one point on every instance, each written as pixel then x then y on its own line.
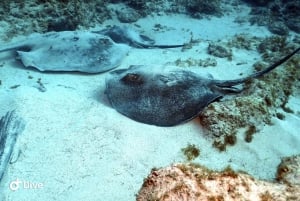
pixel 23 184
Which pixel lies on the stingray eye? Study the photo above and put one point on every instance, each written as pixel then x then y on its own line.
pixel 132 79
pixel 105 41
pixel 76 38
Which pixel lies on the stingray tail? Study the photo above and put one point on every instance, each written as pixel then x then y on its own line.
pixel 229 83
pixel 5 49
pixel 140 45
pixel 16 46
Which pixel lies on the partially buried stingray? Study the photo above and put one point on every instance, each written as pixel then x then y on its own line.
pixel 132 38
pixel 168 96
pixel 82 51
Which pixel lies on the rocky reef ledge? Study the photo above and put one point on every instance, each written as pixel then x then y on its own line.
pixel 191 182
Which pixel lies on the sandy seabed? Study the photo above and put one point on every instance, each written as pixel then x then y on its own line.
pixel 79 148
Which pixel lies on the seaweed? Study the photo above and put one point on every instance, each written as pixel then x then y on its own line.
pixel 191 152
pixel 266 196
pixel 250 132
pixel 280 116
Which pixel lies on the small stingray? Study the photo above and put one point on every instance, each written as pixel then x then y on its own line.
pixel 168 96
pixel 69 51
pixel 132 38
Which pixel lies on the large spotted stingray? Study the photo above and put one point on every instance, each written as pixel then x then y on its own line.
pixel 82 51
pixel 167 96
pixel 69 51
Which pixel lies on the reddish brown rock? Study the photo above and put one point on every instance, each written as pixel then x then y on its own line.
pixel 189 182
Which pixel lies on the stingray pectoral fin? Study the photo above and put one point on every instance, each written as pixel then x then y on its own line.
pixel 206 100
pixel 28 60
pixel 147 39
pixel 190 111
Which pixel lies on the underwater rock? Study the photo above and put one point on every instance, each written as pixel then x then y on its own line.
pixel 140 6
pixel 223 119
pixel 219 51
pixel 278 27
pixel 42 16
pixel 194 8
pixel 291 14
pixel 276 13
pixel 272 44
pixel 258 2
pixel 289 170
pixel 62 24
pixel 127 15
pixel 259 16
pixel 243 41
pixel 272 47
pixel 259 103
pixel 294 24
pixel 198 7
pixel 10 127
pixel 193 182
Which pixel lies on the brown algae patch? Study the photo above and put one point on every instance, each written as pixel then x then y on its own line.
pixel 243 41
pixel 195 62
pixel 191 152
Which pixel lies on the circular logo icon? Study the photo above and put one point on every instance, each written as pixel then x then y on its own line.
pixel 15 185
